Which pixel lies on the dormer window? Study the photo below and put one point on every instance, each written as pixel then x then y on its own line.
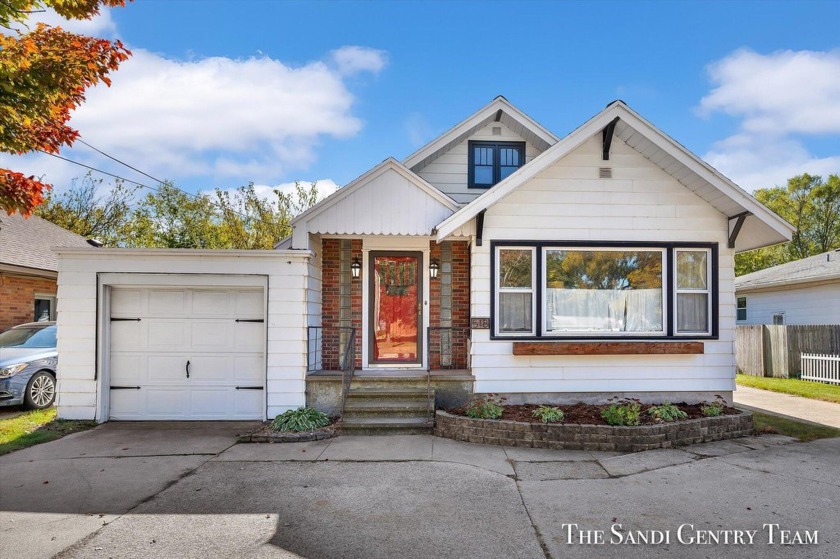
pixel 492 162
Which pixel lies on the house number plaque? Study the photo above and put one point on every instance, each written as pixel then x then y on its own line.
pixel 479 323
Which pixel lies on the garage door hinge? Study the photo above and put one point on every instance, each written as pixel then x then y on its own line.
pixel 249 387
pixel 114 319
pixel 249 320
pixel 125 388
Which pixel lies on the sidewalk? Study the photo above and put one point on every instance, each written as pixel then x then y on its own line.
pixel 816 411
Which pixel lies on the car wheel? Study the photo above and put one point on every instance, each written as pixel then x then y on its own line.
pixel 40 391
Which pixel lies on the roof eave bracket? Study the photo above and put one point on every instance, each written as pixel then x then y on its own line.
pixel 735 229
pixel 479 228
pixel 609 129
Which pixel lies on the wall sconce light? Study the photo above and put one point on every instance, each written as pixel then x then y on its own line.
pixel 356 268
pixel 434 267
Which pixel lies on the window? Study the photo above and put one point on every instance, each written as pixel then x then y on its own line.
pixel 44 308
pixel 612 289
pixel 779 319
pixel 693 291
pixel 741 309
pixel 515 290
pixel 492 162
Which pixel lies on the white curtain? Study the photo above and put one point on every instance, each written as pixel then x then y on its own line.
pixel 604 310
pixel 515 312
pixel 692 312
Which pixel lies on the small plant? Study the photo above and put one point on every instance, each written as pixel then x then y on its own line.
pixel 713 409
pixel 549 414
pixel 622 414
pixel 483 409
pixel 301 419
pixel 666 412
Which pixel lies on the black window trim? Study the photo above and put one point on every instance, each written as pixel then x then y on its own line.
pixel 496 160
pixel 669 285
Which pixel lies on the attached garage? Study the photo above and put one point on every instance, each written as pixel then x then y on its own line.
pixel 187 353
pixel 160 334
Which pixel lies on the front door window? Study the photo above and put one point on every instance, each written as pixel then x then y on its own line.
pixel 395 308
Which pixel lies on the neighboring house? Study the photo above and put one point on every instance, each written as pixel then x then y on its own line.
pixel 29 268
pixel 805 291
pixel 500 257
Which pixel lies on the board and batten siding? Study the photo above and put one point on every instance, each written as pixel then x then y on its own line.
pixel 568 202
pixel 818 304
pixel 449 171
pixel 285 273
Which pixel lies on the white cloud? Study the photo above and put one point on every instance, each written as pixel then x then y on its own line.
pixel 352 60
pixel 780 99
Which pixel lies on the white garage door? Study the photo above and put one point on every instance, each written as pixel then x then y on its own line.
pixel 187 353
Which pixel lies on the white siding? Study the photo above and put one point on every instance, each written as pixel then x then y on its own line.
pixel 79 391
pixel 569 202
pixel 449 171
pixel 389 204
pixel 803 305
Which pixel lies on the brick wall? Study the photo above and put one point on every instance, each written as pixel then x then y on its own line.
pixel 17 298
pixel 336 312
pixel 449 305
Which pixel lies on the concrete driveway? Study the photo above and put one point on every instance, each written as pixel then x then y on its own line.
pixel 185 490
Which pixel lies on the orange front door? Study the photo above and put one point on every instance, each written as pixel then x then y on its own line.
pixel 396 309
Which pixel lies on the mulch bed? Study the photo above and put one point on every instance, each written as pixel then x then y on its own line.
pixel 589 414
pixel 267 435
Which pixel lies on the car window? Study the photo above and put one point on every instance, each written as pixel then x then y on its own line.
pixel 28 337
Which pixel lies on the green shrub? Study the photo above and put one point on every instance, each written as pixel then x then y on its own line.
pixel 713 409
pixel 622 414
pixel 549 414
pixel 667 412
pixel 483 409
pixel 301 419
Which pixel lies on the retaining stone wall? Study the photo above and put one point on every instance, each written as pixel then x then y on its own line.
pixel 593 437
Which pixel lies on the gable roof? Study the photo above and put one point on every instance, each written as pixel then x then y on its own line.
pixel 28 243
pixel 387 200
pixel 820 268
pixel 761 227
pixel 499 109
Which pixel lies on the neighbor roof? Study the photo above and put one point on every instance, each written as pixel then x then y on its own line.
pixel 28 242
pixel 819 268
pixel 761 227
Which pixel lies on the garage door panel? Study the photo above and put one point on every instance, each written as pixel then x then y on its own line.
pixel 249 336
pixel 188 324
pixel 128 369
pixel 170 303
pixel 126 302
pixel 249 304
pixel 213 335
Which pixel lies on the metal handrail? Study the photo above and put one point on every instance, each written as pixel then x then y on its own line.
pixel 456 361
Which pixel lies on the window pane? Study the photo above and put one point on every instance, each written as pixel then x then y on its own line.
pixel 483 175
pixel 691 269
pixel 603 291
pixel 515 268
pixel 505 172
pixel 515 311
pixel 692 312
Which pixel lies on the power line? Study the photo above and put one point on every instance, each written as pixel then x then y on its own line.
pixel 152 188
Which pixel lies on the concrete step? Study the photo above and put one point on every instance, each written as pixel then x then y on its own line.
pixel 389 394
pixel 386 408
pixel 387 426
pixel 390 382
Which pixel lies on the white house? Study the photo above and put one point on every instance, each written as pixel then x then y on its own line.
pixel 498 258
pixel 805 291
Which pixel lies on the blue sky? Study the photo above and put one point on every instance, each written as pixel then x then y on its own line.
pixel 222 93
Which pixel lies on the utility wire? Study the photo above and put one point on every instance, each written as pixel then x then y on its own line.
pixel 152 188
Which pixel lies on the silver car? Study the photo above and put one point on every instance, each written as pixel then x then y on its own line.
pixel 28 359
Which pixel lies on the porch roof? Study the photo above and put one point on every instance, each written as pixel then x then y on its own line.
pixel 387 200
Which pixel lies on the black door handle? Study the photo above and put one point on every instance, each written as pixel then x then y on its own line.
pixel 188 368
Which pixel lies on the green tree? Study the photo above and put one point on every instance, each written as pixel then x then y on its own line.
pixel 812 206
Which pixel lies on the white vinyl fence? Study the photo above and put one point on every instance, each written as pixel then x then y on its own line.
pixel 821 368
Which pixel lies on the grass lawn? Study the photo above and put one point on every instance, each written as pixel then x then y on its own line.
pixel 36 427
pixel 804 388
pixel 803 431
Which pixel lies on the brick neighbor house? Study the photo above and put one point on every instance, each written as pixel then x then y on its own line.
pixel 29 268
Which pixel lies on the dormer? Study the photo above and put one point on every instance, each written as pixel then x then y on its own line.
pixel 479 152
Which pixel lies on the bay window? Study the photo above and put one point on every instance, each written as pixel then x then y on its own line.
pixel 605 290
